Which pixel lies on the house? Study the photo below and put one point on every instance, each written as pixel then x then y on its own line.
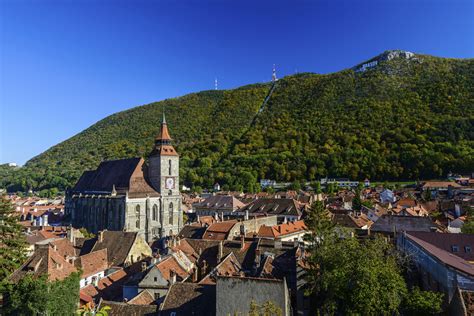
pixel 392 224
pixel 289 231
pixel 120 309
pixel 44 261
pixel 234 295
pixel 374 213
pixel 232 229
pixel 443 260
pixel 93 266
pixel 284 209
pixel 352 220
pixel 189 299
pixel 123 248
pixel 221 205
pixel 219 230
pixel 387 196
pixel 229 266
pixel 159 276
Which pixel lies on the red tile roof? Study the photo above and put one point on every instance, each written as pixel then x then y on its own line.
pixel 93 263
pixel 282 229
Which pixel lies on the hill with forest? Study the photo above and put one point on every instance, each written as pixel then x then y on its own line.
pixel 397 116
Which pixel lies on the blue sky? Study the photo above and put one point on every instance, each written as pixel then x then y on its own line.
pixel 64 65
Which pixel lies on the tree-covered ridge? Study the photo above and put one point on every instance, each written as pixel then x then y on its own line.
pixel 404 119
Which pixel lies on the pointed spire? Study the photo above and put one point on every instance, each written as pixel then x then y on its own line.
pixel 163 121
pixel 114 192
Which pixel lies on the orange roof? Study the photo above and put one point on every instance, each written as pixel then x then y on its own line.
pixel 282 229
pixel 170 264
pixel 228 267
pixel 219 231
pixel 440 184
pixel 93 262
pixel 143 298
pixel 164 134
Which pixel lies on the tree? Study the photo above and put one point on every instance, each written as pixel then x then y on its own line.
pixel 468 227
pixel 38 296
pixel 12 241
pixel 357 202
pixel 349 276
pixel 266 309
pixel 420 303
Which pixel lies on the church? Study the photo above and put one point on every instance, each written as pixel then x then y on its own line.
pixel 131 194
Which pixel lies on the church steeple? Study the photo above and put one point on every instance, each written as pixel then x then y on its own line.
pixel 163 140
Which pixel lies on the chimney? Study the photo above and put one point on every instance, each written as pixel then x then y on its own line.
pixel 257 258
pixel 101 236
pixel 296 242
pixel 278 244
pixel 204 268
pixel 143 267
pixel 172 277
pixel 246 215
pixel 242 242
pixel 195 275
pixel 220 251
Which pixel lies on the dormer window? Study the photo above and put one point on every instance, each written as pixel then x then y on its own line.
pixel 467 249
pixel 455 248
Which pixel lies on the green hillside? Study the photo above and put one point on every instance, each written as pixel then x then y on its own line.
pixel 402 119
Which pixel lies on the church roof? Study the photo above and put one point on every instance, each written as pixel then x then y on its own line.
pixel 125 174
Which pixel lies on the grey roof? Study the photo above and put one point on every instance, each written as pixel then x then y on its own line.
pixel 118 245
pixel 191 231
pixel 108 174
pixel 190 299
pixel 119 309
pixel 274 207
pixel 397 223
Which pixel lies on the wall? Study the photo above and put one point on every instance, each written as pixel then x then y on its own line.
pixel 234 295
pixel 252 225
pixel 140 249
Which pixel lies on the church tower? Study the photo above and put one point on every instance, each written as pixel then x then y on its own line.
pixel 163 174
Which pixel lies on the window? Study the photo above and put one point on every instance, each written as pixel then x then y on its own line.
pixel 467 249
pixel 155 279
pixel 171 213
pixel 155 212
pixel 455 248
pixel 137 216
pixel 169 167
pixel 170 192
pixel 157 296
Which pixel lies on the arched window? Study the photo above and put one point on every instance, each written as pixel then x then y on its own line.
pixel 171 213
pixel 137 216
pixel 155 212
pixel 169 167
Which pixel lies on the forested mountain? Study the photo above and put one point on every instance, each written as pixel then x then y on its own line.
pixel 402 117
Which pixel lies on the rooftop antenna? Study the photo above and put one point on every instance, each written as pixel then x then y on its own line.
pixel 215 84
pixel 274 74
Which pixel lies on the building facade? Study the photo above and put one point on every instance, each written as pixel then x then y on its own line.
pixel 130 194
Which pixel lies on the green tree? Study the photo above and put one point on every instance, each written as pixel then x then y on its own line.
pixel 420 303
pixel 12 241
pixel 357 201
pixel 468 227
pixel 266 309
pixel 38 296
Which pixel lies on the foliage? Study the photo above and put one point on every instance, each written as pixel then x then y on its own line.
pixel 88 311
pixel 420 303
pixel 357 201
pixel 404 119
pixel 266 309
pixel 85 233
pixel 12 241
pixel 38 296
pixel 468 227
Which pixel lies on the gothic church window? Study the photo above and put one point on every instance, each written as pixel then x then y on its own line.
pixel 137 216
pixel 169 167
pixel 155 212
pixel 171 213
